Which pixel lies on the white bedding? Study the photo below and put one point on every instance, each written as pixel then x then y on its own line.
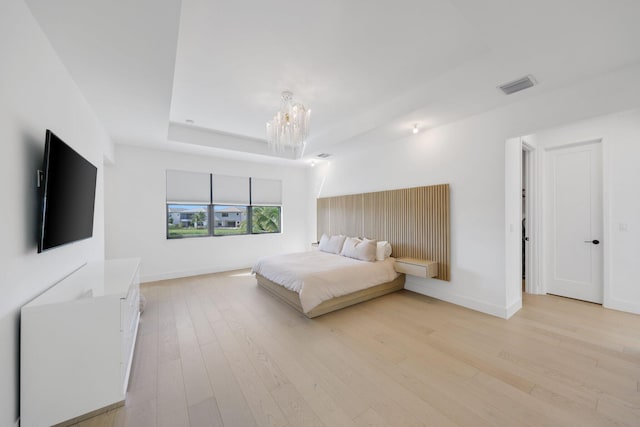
pixel 319 276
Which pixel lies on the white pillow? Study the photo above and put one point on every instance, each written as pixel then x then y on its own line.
pixel 332 245
pixel 383 250
pixel 364 250
pixel 324 240
pixel 349 246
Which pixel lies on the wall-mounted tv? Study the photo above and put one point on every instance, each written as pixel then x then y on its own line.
pixel 68 192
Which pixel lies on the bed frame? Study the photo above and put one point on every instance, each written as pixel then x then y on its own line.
pixel 293 299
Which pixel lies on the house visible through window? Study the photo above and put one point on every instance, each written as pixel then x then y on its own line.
pixel 187 221
pixel 194 198
pixel 230 220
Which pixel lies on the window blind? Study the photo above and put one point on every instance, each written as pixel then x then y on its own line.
pixel 266 191
pixel 188 187
pixel 230 190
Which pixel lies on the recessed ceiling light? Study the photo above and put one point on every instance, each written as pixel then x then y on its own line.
pixel 415 128
pixel 189 121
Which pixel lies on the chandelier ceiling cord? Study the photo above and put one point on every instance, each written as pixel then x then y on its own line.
pixel 289 128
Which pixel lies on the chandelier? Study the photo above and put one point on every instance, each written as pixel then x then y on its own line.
pixel 287 132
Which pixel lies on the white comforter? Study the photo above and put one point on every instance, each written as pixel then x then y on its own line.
pixel 319 276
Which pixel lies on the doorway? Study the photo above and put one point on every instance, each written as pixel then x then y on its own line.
pixel 562 186
pixel 574 226
pixel 522 240
pixel 525 217
pixel 530 212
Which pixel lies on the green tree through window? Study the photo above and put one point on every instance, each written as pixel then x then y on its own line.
pixel 265 219
pixel 198 218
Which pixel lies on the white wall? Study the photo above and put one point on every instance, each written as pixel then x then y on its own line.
pixel 470 156
pixel 136 215
pixel 36 93
pixel 620 135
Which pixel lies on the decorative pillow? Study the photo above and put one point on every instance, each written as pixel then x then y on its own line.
pixel 383 250
pixel 349 246
pixel 364 250
pixel 336 243
pixel 332 245
pixel 324 241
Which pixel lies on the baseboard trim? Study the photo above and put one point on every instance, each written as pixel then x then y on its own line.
pixel 91 414
pixel 513 308
pixel 189 273
pixel 621 305
pixel 473 304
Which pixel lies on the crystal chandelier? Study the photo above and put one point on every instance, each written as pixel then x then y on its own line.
pixel 287 132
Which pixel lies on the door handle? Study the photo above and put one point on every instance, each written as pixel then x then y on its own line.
pixel 595 242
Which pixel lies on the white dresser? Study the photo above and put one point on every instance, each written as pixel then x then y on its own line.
pixel 77 342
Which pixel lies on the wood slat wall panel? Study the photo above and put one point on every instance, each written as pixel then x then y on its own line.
pixel 414 220
pixel 323 214
pixel 345 214
pixel 353 218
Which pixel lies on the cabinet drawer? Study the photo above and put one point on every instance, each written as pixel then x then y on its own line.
pixel 417 267
pixel 129 308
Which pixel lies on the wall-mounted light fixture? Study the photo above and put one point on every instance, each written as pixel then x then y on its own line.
pixel 415 129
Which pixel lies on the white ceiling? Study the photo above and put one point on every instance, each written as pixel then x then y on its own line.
pixel 368 70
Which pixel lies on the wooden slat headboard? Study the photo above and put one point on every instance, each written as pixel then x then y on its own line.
pixel 414 220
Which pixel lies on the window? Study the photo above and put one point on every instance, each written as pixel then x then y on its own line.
pixel 266 213
pixel 265 219
pixel 230 220
pixel 187 221
pixel 236 205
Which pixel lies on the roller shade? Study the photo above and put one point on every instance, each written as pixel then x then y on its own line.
pixel 266 191
pixel 230 190
pixel 188 187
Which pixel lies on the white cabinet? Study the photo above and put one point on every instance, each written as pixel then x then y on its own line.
pixel 77 342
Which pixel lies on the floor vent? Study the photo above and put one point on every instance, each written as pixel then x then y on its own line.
pixel 518 85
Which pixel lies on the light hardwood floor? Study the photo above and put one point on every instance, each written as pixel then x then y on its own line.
pixel 217 350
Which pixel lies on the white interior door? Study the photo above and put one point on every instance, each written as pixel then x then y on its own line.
pixel 574 198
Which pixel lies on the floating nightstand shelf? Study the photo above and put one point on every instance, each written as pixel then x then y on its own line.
pixel 417 267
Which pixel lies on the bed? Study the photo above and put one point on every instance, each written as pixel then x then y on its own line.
pixel 318 282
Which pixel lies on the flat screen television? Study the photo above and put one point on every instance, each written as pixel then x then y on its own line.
pixel 68 192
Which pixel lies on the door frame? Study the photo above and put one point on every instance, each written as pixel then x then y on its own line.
pixel 513 221
pixel 533 214
pixel 513 215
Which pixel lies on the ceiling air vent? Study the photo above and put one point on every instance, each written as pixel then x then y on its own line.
pixel 324 155
pixel 517 85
